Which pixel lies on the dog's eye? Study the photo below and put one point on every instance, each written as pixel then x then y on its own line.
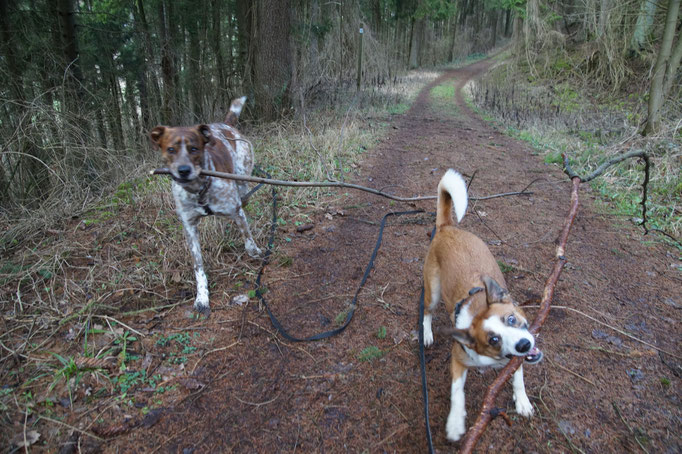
pixel 170 150
pixel 511 320
pixel 494 340
pixel 193 150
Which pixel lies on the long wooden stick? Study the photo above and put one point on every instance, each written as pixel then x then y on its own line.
pixel 485 416
pixel 331 184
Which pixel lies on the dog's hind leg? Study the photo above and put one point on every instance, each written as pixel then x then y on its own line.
pixel 431 298
pixel 239 218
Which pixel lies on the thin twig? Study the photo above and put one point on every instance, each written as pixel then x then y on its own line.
pixel 615 407
pixel 258 404
pixel 84 432
pixel 619 331
pixel 112 319
pixel 571 372
pixel 212 351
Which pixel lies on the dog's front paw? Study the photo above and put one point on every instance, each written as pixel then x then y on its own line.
pixel 253 250
pixel 455 427
pixel 202 307
pixel 428 333
pixel 523 406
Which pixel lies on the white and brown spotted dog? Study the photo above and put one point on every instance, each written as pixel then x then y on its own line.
pixel 218 147
pixel 489 327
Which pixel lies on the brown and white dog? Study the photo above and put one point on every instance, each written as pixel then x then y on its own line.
pixel 489 327
pixel 218 147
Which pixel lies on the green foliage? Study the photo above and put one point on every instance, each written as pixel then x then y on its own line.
pixel 381 333
pixel 370 353
pixel 435 9
pixel 505 268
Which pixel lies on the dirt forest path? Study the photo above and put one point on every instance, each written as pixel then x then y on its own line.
pixel 596 391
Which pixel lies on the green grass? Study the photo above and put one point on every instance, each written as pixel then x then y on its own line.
pixel 443 98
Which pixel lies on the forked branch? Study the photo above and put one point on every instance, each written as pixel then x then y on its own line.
pixel 615 160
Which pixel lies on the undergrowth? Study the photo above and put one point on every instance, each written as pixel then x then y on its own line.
pixel 589 126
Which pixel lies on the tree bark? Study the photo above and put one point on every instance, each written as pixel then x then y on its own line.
pixel 167 71
pixel 645 20
pixel 69 46
pixel 663 65
pixel 216 43
pixel 147 82
pixel 416 43
pixel 272 65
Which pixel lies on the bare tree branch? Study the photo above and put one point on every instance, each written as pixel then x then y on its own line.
pixel 633 154
pixel 332 184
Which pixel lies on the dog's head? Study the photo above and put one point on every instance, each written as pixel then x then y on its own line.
pixel 496 328
pixel 182 149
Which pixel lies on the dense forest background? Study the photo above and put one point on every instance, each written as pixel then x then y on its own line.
pixel 81 82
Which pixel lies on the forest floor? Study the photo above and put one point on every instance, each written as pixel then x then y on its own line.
pixel 230 383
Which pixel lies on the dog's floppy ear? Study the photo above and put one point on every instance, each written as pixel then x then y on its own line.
pixel 494 293
pixel 463 337
pixel 156 135
pixel 205 132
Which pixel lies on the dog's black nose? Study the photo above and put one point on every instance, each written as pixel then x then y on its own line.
pixel 184 171
pixel 523 346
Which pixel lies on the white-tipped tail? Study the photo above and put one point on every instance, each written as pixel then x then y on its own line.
pixel 453 185
pixel 237 105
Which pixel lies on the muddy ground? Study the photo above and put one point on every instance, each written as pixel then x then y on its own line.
pixel 242 388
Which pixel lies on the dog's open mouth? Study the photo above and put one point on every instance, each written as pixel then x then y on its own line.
pixel 182 180
pixel 533 356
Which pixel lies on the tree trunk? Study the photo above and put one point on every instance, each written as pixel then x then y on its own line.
pixel 645 19
pixel 272 67
pixel 195 74
pixel 147 82
pixel 13 65
pixel 663 65
pixel 673 66
pixel 131 104
pixel 114 109
pixel 244 12
pixel 168 96
pixel 416 43
pixel 69 46
pixel 67 24
pixel 216 43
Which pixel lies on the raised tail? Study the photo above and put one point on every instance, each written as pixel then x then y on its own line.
pixel 452 191
pixel 235 110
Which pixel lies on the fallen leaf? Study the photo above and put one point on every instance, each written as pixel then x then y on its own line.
pixel 191 383
pixel 21 441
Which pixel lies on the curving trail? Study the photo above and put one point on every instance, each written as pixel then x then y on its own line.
pixel 267 395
